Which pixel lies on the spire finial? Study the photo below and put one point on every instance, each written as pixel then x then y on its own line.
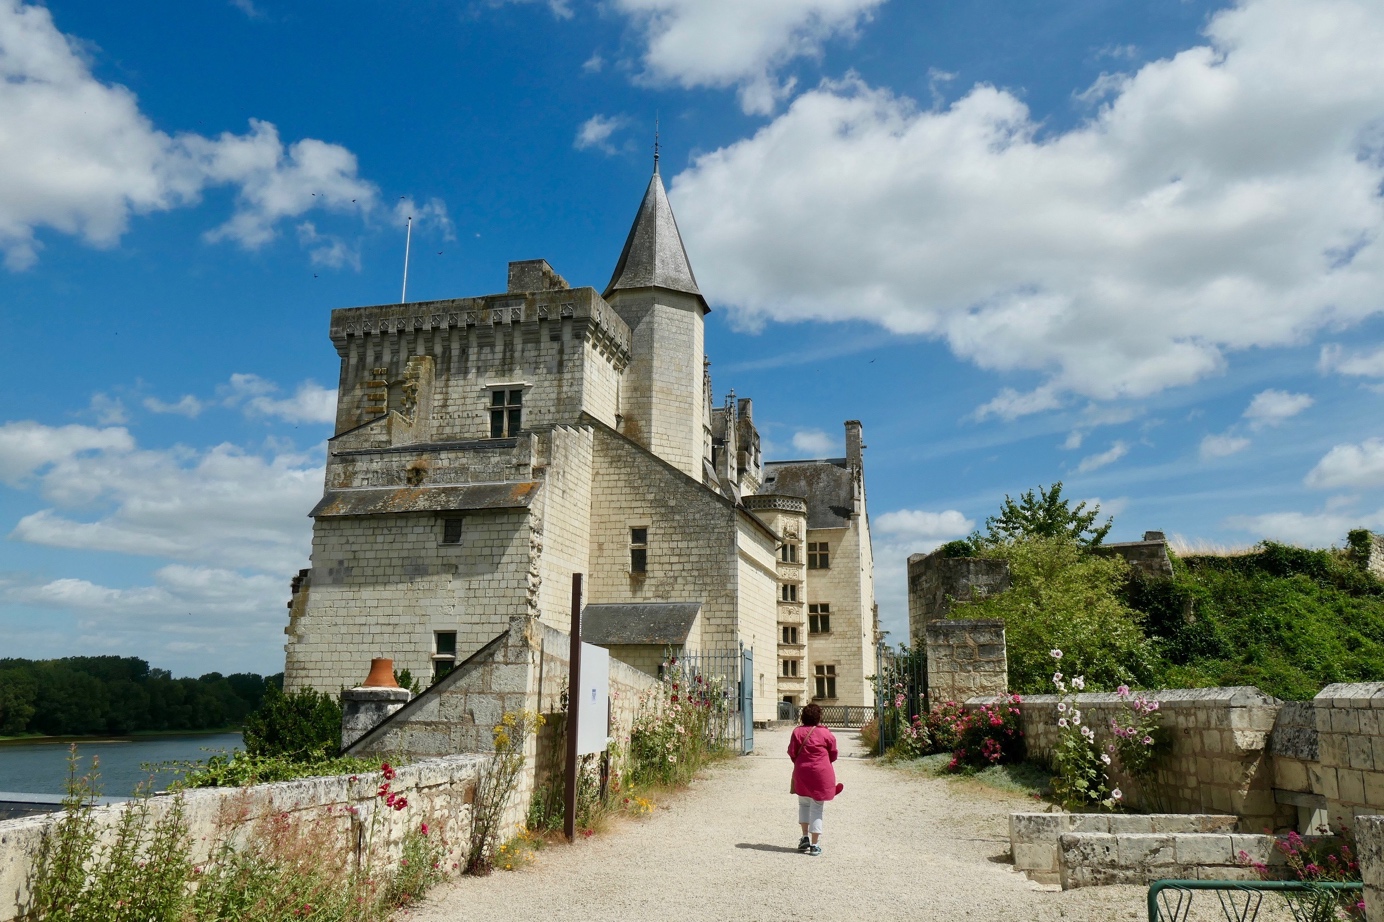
pixel 655 140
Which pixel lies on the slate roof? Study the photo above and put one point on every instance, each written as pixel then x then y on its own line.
pixel 654 256
pixel 377 500
pixel 666 623
pixel 826 485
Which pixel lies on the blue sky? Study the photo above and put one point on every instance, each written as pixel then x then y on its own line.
pixel 1131 246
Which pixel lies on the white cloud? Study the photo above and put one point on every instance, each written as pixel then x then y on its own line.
pixel 740 43
pixel 1095 462
pixel 1223 199
pixel 222 507
pixel 1222 446
pixel 1073 440
pixel 211 591
pixel 596 131
pixel 187 405
pixel 593 64
pixel 1107 507
pixel 26 447
pixel 108 410
pixel 248 8
pixel 1271 407
pixel 79 157
pixel 1358 364
pixel 1010 404
pixel 327 250
pixel 310 403
pixel 925 527
pixel 1349 466
pixel 1312 529
pixel 814 442
pixel 432 214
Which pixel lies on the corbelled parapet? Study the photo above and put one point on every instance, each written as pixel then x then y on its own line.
pixel 587 310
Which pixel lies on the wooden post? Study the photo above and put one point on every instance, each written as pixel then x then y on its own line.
pixel 569 821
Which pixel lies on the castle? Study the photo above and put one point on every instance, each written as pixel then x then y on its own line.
pixel 488 448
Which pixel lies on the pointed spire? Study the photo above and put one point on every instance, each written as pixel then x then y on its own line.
pixel 654 256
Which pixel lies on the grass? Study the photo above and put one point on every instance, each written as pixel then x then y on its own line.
pixel 1026 778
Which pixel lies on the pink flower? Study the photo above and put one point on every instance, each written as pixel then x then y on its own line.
pixel 1122 691
pixel 1117 794
pixel 1148 741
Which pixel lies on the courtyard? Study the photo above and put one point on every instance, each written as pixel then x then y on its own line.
pixel 897 846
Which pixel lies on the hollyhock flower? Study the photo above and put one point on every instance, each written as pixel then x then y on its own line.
pixel 423 828
pixel 1148 741
pixel 1062 722
pixel 1057 677
pixel 1079 683
pixel 1117 794
pixel 1105 757
pixel 1055 654
pixel 1122 691
pixel 1061 707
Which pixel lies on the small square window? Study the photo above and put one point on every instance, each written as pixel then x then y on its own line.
pixel 790 634
pixel 788 592
pixel 451 531
pixel 818 557
pixel 790 668
pixel 788 553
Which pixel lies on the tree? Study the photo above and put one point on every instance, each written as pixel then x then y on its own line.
pixel 298 725
pixel 1062 597
pixel 1045 515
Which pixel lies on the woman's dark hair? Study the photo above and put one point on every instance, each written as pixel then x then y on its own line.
pixel 812 715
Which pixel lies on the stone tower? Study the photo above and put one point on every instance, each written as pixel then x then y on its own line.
pixel 654 292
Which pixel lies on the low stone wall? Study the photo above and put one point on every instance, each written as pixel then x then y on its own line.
pixel 1369 849
pixel 1098 859
pixel 1035 839
pixel 439 791
pixel 965 659
pixel 1219 760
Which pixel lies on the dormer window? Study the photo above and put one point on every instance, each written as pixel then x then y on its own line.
pixel 506 412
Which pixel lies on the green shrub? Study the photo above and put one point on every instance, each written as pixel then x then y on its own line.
pixel 1063 597
pixel 303 724
pixel 241 768
pixel 1288 620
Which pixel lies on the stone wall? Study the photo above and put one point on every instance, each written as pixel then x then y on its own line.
pixel 965 659
pixel 439 791
pixel 1149 556
pixel 1219 761
pixel 1349 771
pixel 935 582
pixel 1096 859
pixel 1035 839
pixel 1369 848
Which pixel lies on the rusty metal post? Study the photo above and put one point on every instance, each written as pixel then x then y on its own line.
pixel 569 820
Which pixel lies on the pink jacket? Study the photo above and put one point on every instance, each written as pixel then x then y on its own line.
pixel 812 750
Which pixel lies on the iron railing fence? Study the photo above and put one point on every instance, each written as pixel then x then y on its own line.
pixel 1241 900
pixel 900 690
pixel 717 677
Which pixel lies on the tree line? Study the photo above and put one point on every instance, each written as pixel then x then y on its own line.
pixel 86 695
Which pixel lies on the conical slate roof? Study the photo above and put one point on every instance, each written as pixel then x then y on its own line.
pixel 654 256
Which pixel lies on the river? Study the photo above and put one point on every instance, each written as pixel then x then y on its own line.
pixel 41 767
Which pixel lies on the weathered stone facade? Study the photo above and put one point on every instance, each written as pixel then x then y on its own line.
pixel 488 448
pixel 936 582
pixel 966 659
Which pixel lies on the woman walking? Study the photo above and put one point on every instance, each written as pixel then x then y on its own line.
pixel 812 749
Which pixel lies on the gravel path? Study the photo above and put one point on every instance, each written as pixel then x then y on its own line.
pixel 896 846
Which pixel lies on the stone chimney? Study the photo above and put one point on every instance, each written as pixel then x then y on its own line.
pixel 534 275
pixel 364 707
pixel 854 460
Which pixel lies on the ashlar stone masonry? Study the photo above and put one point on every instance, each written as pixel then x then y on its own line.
pixel 488 448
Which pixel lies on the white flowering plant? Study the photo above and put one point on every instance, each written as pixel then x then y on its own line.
pixel 1082 781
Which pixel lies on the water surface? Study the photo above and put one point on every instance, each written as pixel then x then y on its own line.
pixel 41 768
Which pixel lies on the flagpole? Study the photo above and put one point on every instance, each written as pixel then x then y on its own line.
pixel 408 240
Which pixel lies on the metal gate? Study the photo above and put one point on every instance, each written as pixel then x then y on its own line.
pixel 724 681
pixel 900 690
pixel 746 700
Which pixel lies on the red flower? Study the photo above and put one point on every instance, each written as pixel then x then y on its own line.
pixel 387 771
pixel 423 828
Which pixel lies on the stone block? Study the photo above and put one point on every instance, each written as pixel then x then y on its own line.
pixel 1036 857
pixel 1324 781
pixel 1374 790
pixel 1361 753
pixel 1131 824
pixel 1291 775
pixel 1145 850
pixel 1090 822
pixel 1352 785
pixel 1197 849
pixel 1226 872
pixel 1029 828
pixel 1088 850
